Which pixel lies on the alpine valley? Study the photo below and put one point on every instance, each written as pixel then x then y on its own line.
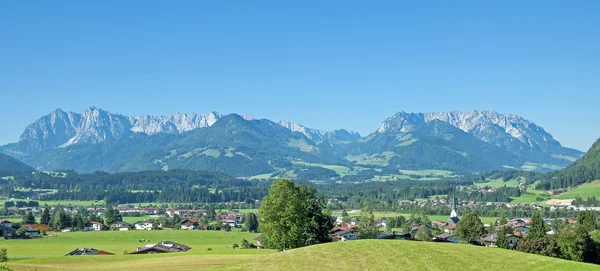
pixel 98 140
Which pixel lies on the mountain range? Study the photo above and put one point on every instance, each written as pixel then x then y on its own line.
pixel 244 146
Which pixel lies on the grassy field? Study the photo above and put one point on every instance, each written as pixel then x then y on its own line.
pixel 61 202
pixel 498 182
pixel 341 170
pixel 403 255
pixel 583 191
pixel 531 197
pixel 48 253
pixel 427 172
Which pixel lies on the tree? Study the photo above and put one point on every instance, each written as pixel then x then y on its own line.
pixel 546 246
pixel 423 234
pixel 251 222
pixel 29 218
pixel 576 245
pixel 45 219
pixel 501 240
pixel 367 227
pixel 538 227
pixel 345 213
pixel 502 220
pixel 293 216
pixel 112 216
pixel 470 229
pixel 587 219
pixel 176 222
pixel 59 218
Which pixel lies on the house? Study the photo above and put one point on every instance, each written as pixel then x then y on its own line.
pixel 7 232
pixel 346 235
pixel 161 247
pixel 144 225
pixel 41 227
pixel 402 236
pixel 523 229
pixel 88 251
pixel 31 231
pixel 449 228
pixel 385 235
pixel 190 224
pixel 120 226
pixel 258 239
pixel 513 240
pixel 5 223
pixel 231 222
pixel 489 240
pixel 446 237
pixel 88 227
pixel 96 226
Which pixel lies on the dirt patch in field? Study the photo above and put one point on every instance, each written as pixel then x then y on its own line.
pixel 565 202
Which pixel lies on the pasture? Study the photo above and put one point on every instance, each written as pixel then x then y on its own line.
pixel 403 255
pixel 48 253
pixel 583 191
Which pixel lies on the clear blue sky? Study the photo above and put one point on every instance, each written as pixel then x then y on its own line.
pixel 324 64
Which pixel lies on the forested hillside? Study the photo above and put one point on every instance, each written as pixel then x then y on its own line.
pixel 586 169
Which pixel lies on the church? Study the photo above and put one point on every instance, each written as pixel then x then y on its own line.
pixel 453 220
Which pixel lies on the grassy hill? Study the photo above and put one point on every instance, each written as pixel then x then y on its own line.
pixel 403 255
pixel 583 191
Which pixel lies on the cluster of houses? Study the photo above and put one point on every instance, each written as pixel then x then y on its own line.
pixel 160 247
pixel 347 231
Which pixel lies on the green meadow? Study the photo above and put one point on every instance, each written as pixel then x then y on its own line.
pixel 48 253
pixel 403 255
pixel 583 191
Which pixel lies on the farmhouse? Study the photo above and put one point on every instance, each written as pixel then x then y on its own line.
pixel 189 224
pixel 121 226
pixel 7 232
pixel 93 226
pixel 162 247
pixel 88 251
pixel 446 237
pixel 144 225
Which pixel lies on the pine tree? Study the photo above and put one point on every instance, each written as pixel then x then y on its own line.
pixel 538 227
pixel 45 219
pixel 29 218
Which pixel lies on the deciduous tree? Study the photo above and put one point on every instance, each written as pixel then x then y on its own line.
pixel 470 229
pixel 293 216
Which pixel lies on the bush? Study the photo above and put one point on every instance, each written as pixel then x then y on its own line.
pixel 3 255
pixel 235 246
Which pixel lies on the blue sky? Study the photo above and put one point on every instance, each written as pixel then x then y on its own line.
pixel 324 64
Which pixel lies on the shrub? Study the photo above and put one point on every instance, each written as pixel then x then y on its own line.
pixel 3 255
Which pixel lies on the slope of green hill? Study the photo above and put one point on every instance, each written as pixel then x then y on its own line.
pixel 584 170
pixel 404 255
pixel 9 165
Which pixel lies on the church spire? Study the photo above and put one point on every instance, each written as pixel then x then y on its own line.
pixel 453 213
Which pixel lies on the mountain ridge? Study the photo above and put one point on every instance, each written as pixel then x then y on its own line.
pixel 455 141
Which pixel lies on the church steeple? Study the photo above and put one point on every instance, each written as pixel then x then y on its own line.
pixel 453 213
